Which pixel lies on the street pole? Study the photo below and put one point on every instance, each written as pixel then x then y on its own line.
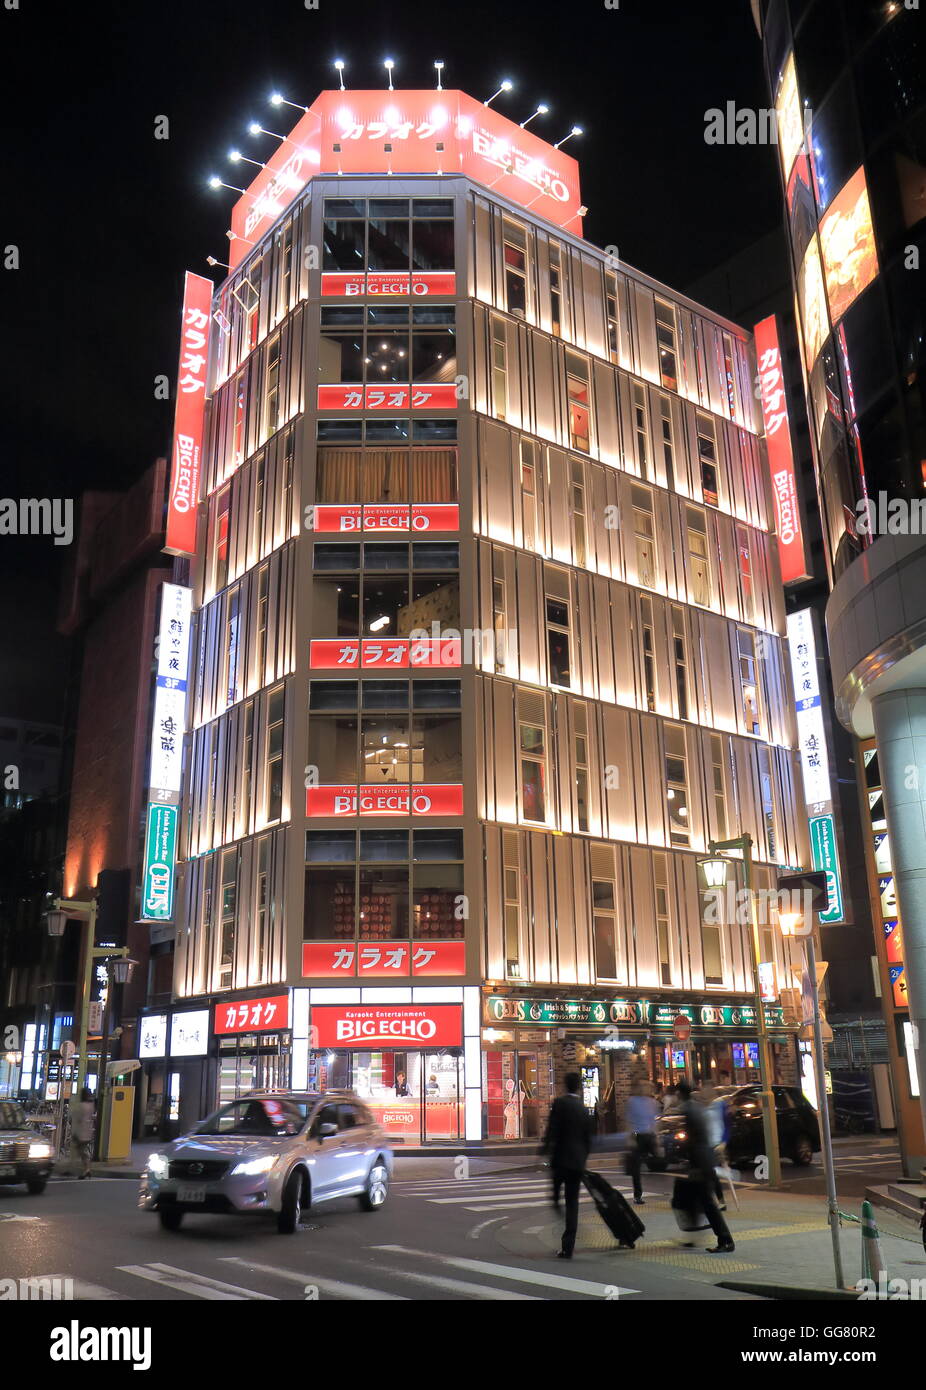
pixel 769 1121
pixel 824 1112
pixel 88 934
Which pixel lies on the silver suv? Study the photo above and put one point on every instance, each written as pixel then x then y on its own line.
pixel 279 1151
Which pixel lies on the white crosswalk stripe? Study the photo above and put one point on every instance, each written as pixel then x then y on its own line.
pixel 199 1285
pixel 332 1286
pixel 514 1273
pixel 487 1194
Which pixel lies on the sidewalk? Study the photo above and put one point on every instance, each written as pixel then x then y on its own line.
pixel 783 1243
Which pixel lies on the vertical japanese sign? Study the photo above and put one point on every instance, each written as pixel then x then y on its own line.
pixel 186 456
pixel 780 453
pixel 811 734
pixel 157 887
pixel 167 729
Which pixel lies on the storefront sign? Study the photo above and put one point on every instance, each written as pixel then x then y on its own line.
pixel 635 1012
pixel 811 733
pixel 432 799
pixel 387 1025
pixel 189 1034
pixel 251 1015
pixel 349 285
pixel 418 518
pixel 898 986
pixel 780 453
pixel 893 942
pixel 169 717
pixel 426 395
pixel 152 1036
pixel 385 959
pixel 824 856
pixel 186 459
pixel 408 132
pixel 395 653
pixel 157 884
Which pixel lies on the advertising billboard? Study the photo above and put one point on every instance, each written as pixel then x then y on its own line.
pixel 189 412
pixel 777 426
pixel 323 961
pixel 847 239
pixel 811 734
pixel 160 861
pixel 408 132
pixel 251 1015
pixel 391 800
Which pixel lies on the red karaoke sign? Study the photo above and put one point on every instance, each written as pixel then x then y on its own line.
pixel 409 132
pixel 431 799
pixel 186 458
pixel 384 958
pixel 399 283
pixel 252 1015
pixel 419 517
pixel 389 1025
pixel 425 395
pixel 389 653
pixel 780 454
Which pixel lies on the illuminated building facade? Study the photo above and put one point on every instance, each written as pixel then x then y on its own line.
pixel 848 84
pixel 489 642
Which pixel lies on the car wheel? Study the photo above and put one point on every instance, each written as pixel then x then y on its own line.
pixel 170 1218
pixel 36 1185
pixel 377 1188
pixel 290 1213
pixel 802 1153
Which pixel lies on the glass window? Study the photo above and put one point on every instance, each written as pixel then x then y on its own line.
pixel 677 785
pixel 666 342
pixel 515 258
pixel 533 772
pixel 707 458
pixel 330 846
pixel 640 429
pixel 437 845
pixel 699 573
pixel 577 390
pixel 384 846
pixel 332 695
pixel 499 369
pixel 644 535
pixel 329 905
pixel 274 768
pixel 558 642
pixel 746 645
pixel 437 694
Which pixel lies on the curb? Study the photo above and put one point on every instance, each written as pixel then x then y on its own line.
pixel 788 1292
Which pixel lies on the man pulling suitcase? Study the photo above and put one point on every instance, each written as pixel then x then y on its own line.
pixel 567 1142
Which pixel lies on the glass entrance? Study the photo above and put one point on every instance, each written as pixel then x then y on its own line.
pixel 417 1097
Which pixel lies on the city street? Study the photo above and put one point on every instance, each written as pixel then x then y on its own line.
pixel 488 1236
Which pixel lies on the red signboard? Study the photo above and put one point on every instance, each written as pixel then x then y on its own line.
pixel 384 958
pixel 409 132
pixel 780 454
pixel 395 653
pixel 186 458
pixel 262 1015
pixel 431 799
pixel 681 1028
pixel 387 1025
pixel 350 284
pixel 423 395
pixel 421 517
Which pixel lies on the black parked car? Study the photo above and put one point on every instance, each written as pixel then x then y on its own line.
pixel 798 1128
pixel 25 1155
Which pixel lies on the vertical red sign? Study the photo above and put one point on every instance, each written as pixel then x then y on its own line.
pixel 780 454
pixel 185 466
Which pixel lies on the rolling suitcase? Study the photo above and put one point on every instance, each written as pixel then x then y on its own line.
pixel 619 1217
pixel 686 1206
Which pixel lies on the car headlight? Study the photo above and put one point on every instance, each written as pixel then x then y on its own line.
pixel 157 1165
pixel 253 1167
pixel 40 1150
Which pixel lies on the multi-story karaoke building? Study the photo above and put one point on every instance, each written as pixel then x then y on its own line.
pixel 487 644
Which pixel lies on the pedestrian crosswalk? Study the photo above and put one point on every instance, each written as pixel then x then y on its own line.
pixel 490 1193
pixel 384 1273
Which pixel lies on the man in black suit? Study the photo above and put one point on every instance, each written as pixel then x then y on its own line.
pixel 567 1142
pixel 701 1169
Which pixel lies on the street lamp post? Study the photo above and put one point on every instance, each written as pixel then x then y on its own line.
pixel 769 1125
pixel 789 927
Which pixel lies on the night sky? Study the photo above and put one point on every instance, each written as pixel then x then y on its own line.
pixel 107 218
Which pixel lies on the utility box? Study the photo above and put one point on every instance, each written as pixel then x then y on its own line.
pixel 119 1128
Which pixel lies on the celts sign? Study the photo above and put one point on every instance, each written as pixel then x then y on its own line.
pixel 639 1013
